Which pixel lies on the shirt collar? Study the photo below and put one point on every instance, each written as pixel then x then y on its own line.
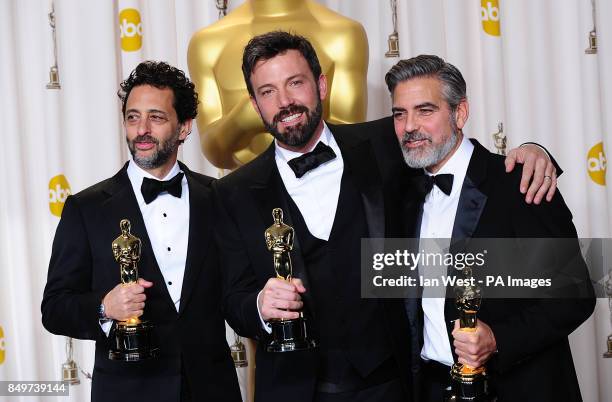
pixel 457 164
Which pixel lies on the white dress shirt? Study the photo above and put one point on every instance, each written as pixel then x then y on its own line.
pixel 439 211
pixel 315 194
pixel 167 221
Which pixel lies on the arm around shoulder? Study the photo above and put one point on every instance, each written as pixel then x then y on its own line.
pixel 551 318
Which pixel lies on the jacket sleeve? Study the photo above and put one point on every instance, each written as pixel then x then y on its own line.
pixel 240 287
pixel 551 318
pixel 70 306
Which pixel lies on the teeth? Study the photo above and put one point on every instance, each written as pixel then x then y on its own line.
pixel 290 118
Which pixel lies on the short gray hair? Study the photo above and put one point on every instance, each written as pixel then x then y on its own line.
pixel 453 84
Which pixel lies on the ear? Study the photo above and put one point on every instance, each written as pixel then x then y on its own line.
pixel 255 106
pixel 462 113
pixel 185 129
pixel 323 86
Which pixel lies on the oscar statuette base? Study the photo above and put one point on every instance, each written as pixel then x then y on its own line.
pixel 239 353
pixel 132 342
pixel 468 386
pixel 290 336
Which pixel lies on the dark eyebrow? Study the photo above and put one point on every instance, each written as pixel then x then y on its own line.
pixel 427 104
pixel 148 111
pixel 419 106
pixel 156 111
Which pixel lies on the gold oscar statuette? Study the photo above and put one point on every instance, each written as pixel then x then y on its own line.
pixel 132 340
pixel 287 335
pixel 468 383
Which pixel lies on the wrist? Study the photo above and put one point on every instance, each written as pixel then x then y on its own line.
pixel 102 311
pixel 525 144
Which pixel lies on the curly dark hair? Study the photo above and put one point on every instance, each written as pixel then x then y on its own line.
pixel 271 44
pixel 162 75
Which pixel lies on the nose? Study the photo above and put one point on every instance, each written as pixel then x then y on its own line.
pixel 144 126
pixel 284 98
pixel 410 123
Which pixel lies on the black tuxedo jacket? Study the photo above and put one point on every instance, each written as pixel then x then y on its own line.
pixel 245 200
pixel 82 270
pixel 534 361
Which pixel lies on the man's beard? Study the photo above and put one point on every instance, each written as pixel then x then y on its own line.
pixel 162 153
pixel 428 155
pixel 296 136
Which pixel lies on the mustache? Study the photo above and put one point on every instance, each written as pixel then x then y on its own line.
pixel 146 139
pixel 293 109
pixel 415 136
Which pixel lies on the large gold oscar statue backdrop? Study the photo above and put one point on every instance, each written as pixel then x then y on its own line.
pixel 231 132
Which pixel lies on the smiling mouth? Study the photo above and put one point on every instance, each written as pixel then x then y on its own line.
pixel 291 118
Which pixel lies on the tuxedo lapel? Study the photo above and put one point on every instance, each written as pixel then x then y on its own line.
pixel 267 191
pixel 200 208
pixel 122 204
pixel 472 201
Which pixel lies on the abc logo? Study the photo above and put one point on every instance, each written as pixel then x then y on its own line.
pixel 130 29
pixel 596 164
pixel 2 353
pixel 489 13
pixel 59 190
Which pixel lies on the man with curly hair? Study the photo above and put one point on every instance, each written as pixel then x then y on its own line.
pixel 177 290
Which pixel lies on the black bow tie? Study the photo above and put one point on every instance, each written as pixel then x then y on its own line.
pixel 151 188
pixel 422 185
pixel 319 155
